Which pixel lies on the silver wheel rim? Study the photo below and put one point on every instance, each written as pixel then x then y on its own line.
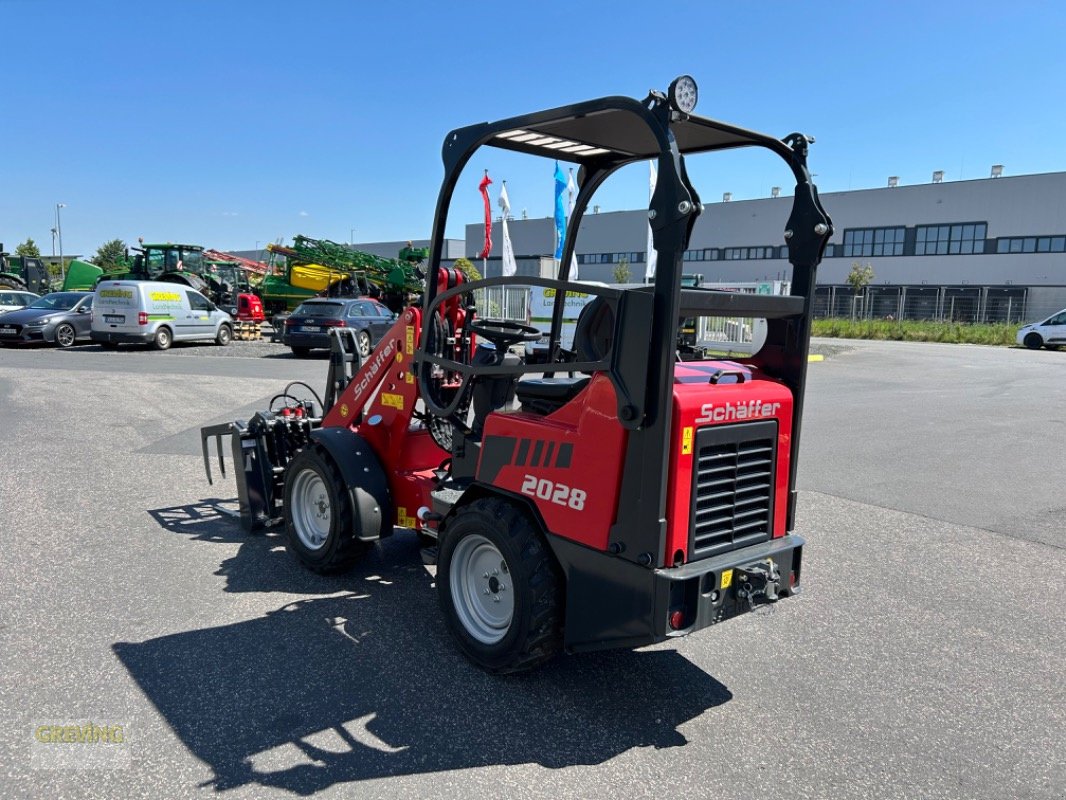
pixel 163 338
pixel 311 514
pixel 364 344
pixel 65 335
pixel 482 590
pixel 223 335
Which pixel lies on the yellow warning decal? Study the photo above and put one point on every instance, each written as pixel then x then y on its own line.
pixel 727 578
pixel 403 520
pixel 686 441
pixel 392 400
pixel 344 409
pixel 410 378
pixel 410 339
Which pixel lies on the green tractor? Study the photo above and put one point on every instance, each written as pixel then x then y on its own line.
pixel 219 280
pixel 26 273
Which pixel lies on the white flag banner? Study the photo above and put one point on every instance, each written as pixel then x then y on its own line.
pixel 650 258
pixel 509 265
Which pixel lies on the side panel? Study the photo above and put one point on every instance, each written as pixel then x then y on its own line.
pixel 568 463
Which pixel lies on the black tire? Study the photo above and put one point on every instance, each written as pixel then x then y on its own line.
pixel 163 338
pixel 313 471
pixel 1034 341
pixel 534 633
pixel 362 344
pixel 65 335
pixel 8 283
pixel 300 352
pixel 224 336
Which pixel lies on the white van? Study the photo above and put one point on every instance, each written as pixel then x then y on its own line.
pixel 156 313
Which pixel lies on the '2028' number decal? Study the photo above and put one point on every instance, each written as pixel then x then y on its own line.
pixel 558 493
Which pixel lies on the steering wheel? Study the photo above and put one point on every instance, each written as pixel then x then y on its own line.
pixel 503 333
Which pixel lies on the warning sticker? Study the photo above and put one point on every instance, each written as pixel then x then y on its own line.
pixel 403 520
pixel 686 441
pixel 410 339
pixel 392 400
pixel 727 578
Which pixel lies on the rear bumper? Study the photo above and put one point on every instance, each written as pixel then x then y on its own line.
pixel 612 602
pixel 313 340
pixel 116 337
pixel 715 589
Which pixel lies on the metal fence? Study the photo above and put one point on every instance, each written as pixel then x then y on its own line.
pixel 964 304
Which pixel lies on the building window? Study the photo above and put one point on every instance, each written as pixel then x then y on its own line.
pixel 957 239
pixel 830 251
pixel 1031 244
pixel 873 242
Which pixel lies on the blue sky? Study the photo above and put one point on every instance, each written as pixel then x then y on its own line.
pixel 231 123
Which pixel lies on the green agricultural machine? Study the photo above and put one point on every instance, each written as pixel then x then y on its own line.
pixel 316 267
pixel 26 273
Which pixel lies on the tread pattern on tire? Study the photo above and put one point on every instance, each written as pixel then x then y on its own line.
pixel 544 636
pixel 348 550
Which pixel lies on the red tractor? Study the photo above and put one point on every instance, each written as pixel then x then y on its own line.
pixel 628 497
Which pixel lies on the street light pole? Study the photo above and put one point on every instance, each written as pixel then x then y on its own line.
pixel 59 231
pixel 351 236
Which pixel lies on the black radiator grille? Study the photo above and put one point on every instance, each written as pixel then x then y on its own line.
pixel 733 487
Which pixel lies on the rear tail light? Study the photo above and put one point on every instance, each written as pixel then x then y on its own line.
pixel 677 620
pixel 142 318
pixel 335 323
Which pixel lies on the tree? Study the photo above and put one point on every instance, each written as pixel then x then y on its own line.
pixel 858 279
pixel 110 254
pixel 621 271
pixel 860 276
pixel 466 266
pixel 29 249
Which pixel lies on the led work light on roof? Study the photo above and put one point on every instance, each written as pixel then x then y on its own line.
pixel 684 94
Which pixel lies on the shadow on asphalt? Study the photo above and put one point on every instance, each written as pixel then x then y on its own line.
pixel 367 684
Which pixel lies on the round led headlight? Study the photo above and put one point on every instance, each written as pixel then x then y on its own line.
pixel 684 94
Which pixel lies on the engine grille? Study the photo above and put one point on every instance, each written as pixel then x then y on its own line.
pixel 732 487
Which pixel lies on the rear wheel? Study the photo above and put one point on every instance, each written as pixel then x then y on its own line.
pixel 500 587
pixel 1034 341
pixel 65 334
pixel 225 335
pixel 163 339
pixel 362 342
pixel 318 514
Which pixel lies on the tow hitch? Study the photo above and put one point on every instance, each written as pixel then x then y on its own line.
pixel 761 579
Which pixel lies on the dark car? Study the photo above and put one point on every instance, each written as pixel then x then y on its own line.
pixel 60 318
pixel 309 325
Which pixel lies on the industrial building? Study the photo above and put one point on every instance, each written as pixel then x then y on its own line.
pixel 976 250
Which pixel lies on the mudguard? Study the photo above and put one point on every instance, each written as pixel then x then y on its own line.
pixel 368 487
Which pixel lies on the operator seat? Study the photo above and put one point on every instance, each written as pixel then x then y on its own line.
pixel 593 337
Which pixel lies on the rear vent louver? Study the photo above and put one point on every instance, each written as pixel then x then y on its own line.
pixel 733 487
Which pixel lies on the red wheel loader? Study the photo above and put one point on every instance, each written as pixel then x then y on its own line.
pixel 628 496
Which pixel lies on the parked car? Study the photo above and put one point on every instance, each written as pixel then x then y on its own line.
pixel 1050 333
pixel 156 313
pixel 13 300
pixel 59 317
pixel 309 324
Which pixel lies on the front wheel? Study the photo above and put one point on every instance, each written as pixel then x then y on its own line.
pixel 1034 341
pixel 318 514
pixel 65 335
pixel 225 335
pixel 500 587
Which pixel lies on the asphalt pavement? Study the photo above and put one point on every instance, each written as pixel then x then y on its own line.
pixel 926 657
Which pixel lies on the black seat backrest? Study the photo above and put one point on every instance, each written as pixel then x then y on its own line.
pixel 594 332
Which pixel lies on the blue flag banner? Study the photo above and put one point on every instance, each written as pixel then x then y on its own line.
pixel 560 210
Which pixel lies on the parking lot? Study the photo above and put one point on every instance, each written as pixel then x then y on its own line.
pixel 926 657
